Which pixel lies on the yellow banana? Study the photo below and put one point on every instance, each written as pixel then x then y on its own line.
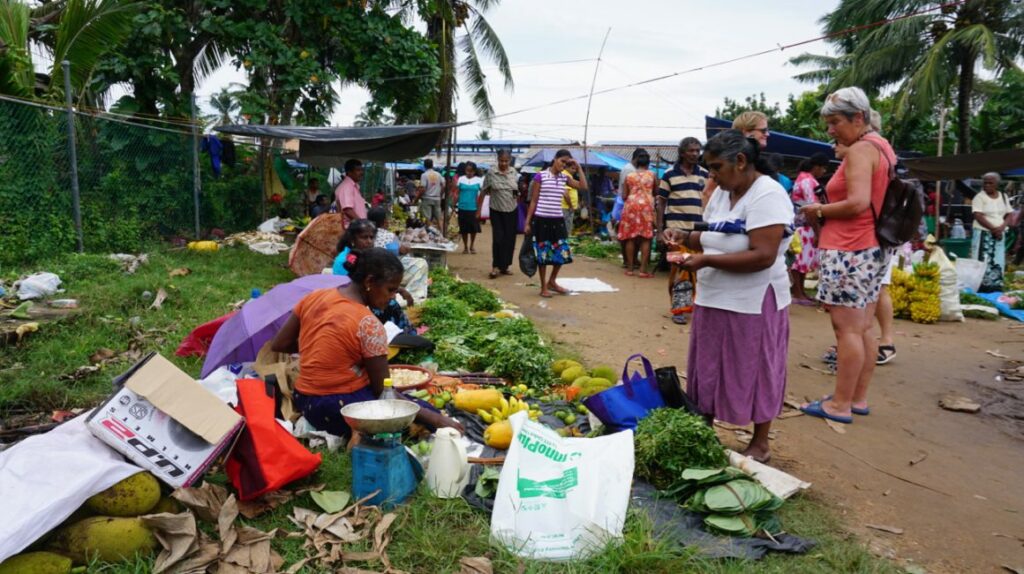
pixel 504 407
pixel 486 416
pixel 497 414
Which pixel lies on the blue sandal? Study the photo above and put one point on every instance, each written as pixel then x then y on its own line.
pixel 816 409
pixel 855 410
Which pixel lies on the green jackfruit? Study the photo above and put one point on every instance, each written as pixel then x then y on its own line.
pixel 36 563
pixel 572 373
pixel 167 504
pixel 133 496
pixel 107 538
pixel 604 372
pixel 562 364
pixel 581 381
pixel 594 386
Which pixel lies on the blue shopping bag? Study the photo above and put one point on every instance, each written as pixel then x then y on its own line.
pixel 621 407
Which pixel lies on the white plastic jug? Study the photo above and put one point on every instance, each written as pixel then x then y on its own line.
pixel 448 471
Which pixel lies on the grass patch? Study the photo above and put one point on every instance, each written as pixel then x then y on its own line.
pixel 430 535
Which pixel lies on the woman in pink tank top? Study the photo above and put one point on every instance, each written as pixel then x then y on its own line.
pixel 852 265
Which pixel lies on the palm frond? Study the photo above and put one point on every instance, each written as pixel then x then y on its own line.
pixel 492 47
pixel 17 76
pixel 978 40
pixel 209 58
pixel 476 80
pixel 87 30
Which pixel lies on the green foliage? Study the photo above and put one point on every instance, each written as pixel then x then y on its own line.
pixel 591 247
pixel 757 102
pixel 1000 123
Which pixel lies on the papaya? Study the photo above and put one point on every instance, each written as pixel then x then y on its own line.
pixel 498 435
pixel 604 372
pixel 562 364
pixel 36 563
pixel 572 373
pixel 133 496
pixel 471 401
pixel 106 538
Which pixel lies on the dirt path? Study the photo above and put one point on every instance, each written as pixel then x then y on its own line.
pixel 966 510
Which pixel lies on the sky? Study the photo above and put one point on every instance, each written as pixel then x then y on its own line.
pixel 667 36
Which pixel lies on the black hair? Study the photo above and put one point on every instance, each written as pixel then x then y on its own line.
pixel 817 160
pixel 378 215
pixel 320 196
pixel 687 142
pixel 642 159
pixel 728 144
pixel 472 165
pixel 354 228
pixel 503 152
pixel 563 153
pixel 637 151
pixel 352 164
pixel 460 169
pixel 428 163
pixel 374 262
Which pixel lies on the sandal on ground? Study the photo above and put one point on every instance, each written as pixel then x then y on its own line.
pixel 817 409
pixel 493 275
pixel 830 355
pixel 763 460
pixel 886 353
pixel 628 273
pixel 645 275
pixel 679 319
pixel 546 294
pixel 558 289
pixel 855 410
pixel 805 302
pixel 506 272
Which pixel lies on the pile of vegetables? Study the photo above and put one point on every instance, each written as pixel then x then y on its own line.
pixel 591 247
pixel 732 502
pixel 670 441
pixel 975 307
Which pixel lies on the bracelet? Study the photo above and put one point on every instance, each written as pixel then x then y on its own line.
pixel 820 214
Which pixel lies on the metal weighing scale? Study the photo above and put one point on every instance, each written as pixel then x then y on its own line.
pixel 379 462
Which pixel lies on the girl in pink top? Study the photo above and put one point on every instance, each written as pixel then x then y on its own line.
pixel 852 265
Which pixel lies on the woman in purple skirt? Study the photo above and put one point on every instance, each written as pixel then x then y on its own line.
pixel 736 370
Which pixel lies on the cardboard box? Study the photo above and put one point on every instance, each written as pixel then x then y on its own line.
pixel 164 421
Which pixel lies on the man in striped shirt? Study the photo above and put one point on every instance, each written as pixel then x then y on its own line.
pixel 679 206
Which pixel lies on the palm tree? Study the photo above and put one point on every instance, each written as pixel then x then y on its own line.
pixel 79 31
pixel 226 104
pixel 445 19
pixel 923 54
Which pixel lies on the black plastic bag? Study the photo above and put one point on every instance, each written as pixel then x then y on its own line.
pixel 672 390
pixel 528 257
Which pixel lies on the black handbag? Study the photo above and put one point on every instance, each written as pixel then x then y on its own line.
pixel 671 390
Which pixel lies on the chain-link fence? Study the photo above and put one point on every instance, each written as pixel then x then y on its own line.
pixel 136 183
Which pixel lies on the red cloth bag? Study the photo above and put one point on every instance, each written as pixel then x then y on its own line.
pixel 266 457
pixel 197 342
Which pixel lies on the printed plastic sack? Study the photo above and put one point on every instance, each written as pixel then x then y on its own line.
pixel 39 285
pixel 621 407
pixel 561 498
pixel 949 290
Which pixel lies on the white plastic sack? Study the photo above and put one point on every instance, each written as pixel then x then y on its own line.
pixel 949 291
pixel 46 477
pixel 561 498
pixel 969 273
pixel 268 247
pixel 39 285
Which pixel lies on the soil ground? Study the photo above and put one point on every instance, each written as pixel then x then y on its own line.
pixel 961 508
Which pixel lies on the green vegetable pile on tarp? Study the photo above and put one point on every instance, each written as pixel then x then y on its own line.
pixel 733 502
pixel 668 442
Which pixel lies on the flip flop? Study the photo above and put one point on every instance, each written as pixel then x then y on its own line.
pixel 629 273
pixel 885 354
pixel 816 409
pixel 546 295
pixel 558 289
pixel 493 275
pixel 679 319
pixel 645 275
pixel 854 409
pixel 805 302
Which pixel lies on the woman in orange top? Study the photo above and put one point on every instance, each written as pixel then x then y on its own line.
pixel 342 346
pixel 852 265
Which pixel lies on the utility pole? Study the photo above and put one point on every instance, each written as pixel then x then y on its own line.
pixel 76 206
pixel 196 183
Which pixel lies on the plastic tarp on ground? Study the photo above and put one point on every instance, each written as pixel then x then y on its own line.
pixel 778 142
pixel 966 165
pixel 326 146
pixel 1004 308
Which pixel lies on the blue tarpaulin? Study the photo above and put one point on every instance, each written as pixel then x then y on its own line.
pixel 778 142
pixel 1004 308
pixel 594 158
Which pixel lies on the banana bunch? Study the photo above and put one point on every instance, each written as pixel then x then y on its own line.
pixel 509 407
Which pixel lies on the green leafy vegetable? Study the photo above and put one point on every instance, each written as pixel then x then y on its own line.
pixel 670 441
pixel 972 299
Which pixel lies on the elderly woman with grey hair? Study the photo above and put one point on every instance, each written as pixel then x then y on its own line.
pixel 736 371
pixel 991 220
pixel 852 263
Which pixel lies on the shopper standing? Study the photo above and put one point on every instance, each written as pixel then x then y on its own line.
pixel 502 186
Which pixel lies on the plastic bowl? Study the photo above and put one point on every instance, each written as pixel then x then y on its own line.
pixel 381 416
pixel 426 382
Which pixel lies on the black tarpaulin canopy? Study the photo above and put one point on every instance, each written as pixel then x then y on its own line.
pixel 326 146
pixel 965 165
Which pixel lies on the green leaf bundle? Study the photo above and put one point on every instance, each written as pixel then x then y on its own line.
pixel 670 441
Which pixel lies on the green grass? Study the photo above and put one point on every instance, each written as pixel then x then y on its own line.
pixel 430 535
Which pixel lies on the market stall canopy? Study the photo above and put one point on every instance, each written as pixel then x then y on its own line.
pixel 778 142
pixel 328 146
pixel 593 158
pixel 1006 161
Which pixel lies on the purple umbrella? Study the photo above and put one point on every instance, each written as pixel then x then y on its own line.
pixel 242 336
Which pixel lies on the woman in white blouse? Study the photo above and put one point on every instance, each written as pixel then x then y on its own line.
pixel 736 370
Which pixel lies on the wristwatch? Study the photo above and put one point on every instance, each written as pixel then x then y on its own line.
pixel 820 214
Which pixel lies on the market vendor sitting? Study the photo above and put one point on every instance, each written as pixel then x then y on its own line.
pixel 342 347
pixel 360 235
pixel 416 279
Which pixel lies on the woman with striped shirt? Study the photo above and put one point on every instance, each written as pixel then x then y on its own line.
pixel 544 218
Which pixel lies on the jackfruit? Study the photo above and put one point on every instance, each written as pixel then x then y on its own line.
pixel 106 538
pixel 603 372
pixel 581 381
pixel 572 373
pixel 36 563
pixel 594 386
pixel 559 366
pixel 166 504
pixel 133 496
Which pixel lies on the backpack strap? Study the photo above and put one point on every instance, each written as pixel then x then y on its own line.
pixel 892 174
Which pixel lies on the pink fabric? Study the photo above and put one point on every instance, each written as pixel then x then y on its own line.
pixel 803 194
pixel 348 195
